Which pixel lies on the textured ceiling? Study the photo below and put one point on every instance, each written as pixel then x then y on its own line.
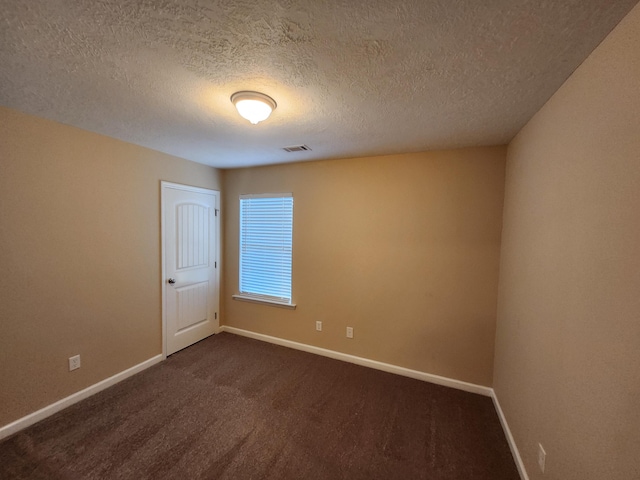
pixel 351 78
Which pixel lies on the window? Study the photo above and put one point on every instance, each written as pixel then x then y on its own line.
pixel 266 233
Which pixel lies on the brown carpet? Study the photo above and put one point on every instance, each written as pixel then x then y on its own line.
pixel 235 408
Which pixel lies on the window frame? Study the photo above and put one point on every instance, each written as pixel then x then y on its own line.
pixel 257 297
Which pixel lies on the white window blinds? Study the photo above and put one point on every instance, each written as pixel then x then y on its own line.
pixel 266 231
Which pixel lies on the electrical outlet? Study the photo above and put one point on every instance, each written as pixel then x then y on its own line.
pixel 349 332
pixel 319 326
pixel 542 457
pixel 74 362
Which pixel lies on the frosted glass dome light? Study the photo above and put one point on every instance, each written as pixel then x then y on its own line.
pixel 253 106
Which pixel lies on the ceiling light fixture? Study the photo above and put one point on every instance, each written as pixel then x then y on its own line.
pixel 253 106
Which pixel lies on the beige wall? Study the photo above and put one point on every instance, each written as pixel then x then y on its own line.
pixel 80 257
pixel 403 248
pixel 567 369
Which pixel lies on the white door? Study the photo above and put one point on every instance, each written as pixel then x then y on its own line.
pixel 191 283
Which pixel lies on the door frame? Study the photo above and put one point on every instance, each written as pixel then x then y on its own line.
pixel 164 185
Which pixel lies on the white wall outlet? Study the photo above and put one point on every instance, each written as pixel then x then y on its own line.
pixel 542 457
pixel 319 326
pixel 74 362
pixel 349 332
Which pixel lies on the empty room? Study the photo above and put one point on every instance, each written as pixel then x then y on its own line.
pixel 289 239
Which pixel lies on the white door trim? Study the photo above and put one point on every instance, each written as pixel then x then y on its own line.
pixel 164 185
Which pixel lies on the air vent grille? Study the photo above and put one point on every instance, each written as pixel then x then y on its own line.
pixel 296 148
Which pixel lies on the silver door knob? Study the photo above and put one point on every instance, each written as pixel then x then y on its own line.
pixel 171 281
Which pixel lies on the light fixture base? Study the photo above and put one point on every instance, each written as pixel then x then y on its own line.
pixel 254 106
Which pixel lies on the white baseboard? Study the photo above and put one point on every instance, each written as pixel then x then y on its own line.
pixel 512 443
pixel 365 362
pixel 49 410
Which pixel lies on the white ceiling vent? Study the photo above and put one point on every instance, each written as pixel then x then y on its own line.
pixel 296 148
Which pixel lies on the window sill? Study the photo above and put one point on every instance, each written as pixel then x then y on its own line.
pixel 264 301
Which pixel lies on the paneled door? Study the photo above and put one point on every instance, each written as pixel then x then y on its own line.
pixel 191 281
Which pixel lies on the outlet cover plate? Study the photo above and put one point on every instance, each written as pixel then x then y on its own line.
pixel 74 362
pixel 542 457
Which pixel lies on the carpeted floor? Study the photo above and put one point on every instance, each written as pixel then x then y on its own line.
pixel 235 408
